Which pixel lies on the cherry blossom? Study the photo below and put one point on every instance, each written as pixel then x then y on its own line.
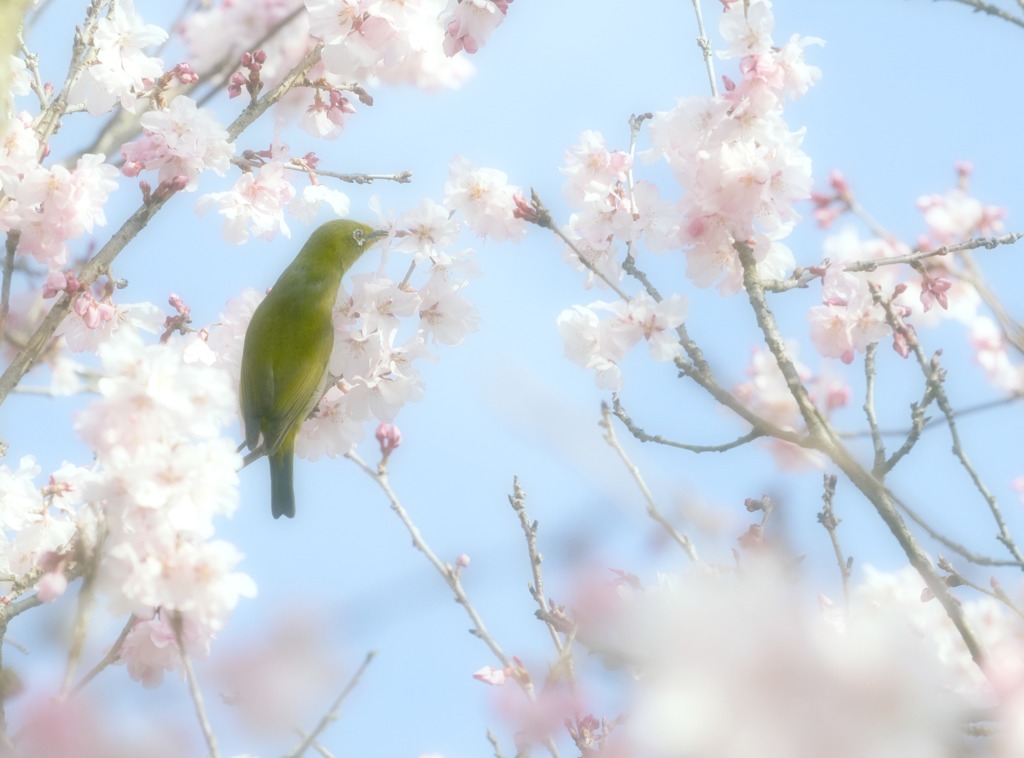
pixel 255 205
pixel 469 23
pixel 122 71
pixel 181 141
pixel 485 199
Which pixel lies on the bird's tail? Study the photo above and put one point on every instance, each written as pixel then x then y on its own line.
pixel 282 490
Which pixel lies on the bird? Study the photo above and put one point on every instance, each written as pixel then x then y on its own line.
pixel 287 346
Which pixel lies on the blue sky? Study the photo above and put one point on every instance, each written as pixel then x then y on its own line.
pixel 908 88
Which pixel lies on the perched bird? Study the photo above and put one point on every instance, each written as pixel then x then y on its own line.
pixel 287 346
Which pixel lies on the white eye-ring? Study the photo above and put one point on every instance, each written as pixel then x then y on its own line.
pixel 359 237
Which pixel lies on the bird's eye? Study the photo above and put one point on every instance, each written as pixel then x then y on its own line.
pixel 358 236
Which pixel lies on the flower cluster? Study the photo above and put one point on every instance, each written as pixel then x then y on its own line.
pixel 741 166
pixel 601 344
pixel 736 666
pixel 257 202
pixel 179 143
pixel 163 473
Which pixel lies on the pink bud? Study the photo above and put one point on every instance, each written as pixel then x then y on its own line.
pixel 462 561
pixel 524 208
pixel 55 282
pixel 838 182
pixel 51 586
pixel 389 437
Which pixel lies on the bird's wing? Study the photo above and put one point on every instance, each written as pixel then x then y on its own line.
pixel 298 379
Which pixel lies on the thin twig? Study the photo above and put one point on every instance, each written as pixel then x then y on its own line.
pixel 494 744
pixel 652 507
pixel 869 406
pixel 518 502
pixel 705 48
pixel 332 712
pixel 930 422
pixel 955 579
pixel 642 436
pixel 83 612
pixel 828 519
pixel 111 657
pixel 451 578
pixel 992 10
pixel 985 242
pixel 5 287
pixel 400 177
pixel 956 547
pixel 447 573
pixel 544 220
pixel 193 686
pixel 934 375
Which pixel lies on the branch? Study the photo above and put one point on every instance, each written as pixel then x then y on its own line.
pixel 934 376
pixel 986 242
pixel 450 576
pixel 827 518
pixel 825 440
pixel 976 558
pixel 518 502
pixel 642 436
pixel 332 712
pixel 108 659
pixel 193 687
pixel 652 508
pixel 992 10
pixel 705 48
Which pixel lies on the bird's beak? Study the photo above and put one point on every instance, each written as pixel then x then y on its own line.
pixel 377 234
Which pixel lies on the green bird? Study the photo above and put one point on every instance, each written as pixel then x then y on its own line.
pixel 287 346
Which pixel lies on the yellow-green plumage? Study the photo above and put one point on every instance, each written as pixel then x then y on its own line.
pixel 287 346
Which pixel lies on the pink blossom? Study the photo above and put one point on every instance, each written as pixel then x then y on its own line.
pixel 19 150
pixel 956 216
pixel 593 171
pixel 325 117
pixel 444 314
pixel 469 23
pixel 485 199
pixel 122 71
pixel 100 321
pixel 255 205
pixel 51 586
pixel 336 426
pixel 990 352
pixel 587 342
pixel 425 231
pixel 381 303
pixel 183 140
pixel 313 197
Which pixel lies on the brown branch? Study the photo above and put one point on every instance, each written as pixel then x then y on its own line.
pixel 652 507
pixel 828 519
pixel 985 242
pixel 642 436
pixel 992 10
pixel 934 376
pixel 332 712
pixel 518 502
